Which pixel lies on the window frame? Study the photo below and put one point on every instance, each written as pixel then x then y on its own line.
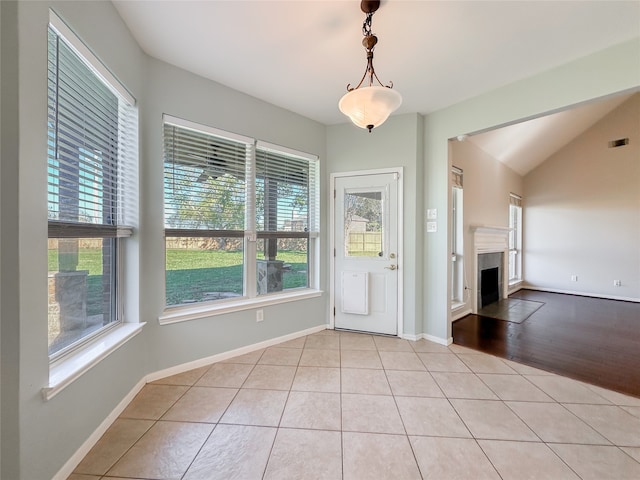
pixel 457 238
pixel 515 238
pixel 71 360
pixel 251 235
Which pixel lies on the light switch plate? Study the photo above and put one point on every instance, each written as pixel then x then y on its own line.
pixel 432 213
pixel 432 227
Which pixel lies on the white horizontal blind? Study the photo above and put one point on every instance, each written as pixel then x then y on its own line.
pixel 285 192
pixel 92 148
pixel 92 140
pixel 456 177
pixel 314 197
pixel 204 181
pixel 128 182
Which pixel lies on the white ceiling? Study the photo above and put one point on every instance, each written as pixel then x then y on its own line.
pixel 301 54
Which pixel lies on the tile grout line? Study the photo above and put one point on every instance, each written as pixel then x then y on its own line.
pixel 609 404
pixel 284 407
pixel 217 423
pixel 154 420
pixel 404 426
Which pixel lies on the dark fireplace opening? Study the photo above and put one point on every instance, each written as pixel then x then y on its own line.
pixel 489 287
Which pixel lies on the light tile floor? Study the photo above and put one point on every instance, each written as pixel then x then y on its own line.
pixel 353 406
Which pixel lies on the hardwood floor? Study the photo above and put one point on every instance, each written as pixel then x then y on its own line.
pixel 589 339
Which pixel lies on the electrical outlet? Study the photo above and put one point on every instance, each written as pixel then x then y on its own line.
pixel 259 315
pixel 617 283
pixel 574 278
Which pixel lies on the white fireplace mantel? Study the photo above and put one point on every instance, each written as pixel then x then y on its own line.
pixel 490 239
pixel 487 239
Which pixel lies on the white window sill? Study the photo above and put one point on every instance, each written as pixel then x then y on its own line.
pixel 202 310
pixel 63 372
pixel 456 305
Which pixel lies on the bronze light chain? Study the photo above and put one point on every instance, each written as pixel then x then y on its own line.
pixel 369 43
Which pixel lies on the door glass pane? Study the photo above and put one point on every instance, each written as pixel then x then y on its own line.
pixel 363 224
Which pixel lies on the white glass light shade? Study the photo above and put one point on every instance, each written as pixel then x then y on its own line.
pixel 369 107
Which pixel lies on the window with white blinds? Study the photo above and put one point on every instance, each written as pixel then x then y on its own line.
pixel 457 238
pixel 285 197
pixel 204 179
pixel 241 217
pixel 515 238
pixel 92 188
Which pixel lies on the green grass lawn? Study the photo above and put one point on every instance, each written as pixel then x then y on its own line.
pixel 190 274
pixel 89 259
pixel 193 273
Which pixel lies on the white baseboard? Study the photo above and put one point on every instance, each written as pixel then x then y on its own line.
pixel 582 294
pixel 431 338
pixel 70 465
pixel 442 341
pixel 412 337
pixel 185 367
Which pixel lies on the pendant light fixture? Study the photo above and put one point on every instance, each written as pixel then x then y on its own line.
pixel 369 105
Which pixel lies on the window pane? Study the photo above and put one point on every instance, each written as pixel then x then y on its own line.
pixel 92 188
pixel 83 140
pixel 201 269
pixel 222 188
pixel 457 250
pixel 81 288
pixel 282 192
pixel 289 269
pixel 515 241
pixel 204 181
pixel 363 224
pixel 512 265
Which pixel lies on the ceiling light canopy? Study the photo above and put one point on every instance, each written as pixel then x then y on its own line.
pixel 370 105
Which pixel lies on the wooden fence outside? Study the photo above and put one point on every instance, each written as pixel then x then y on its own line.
pixel 199 243
pixel 365 242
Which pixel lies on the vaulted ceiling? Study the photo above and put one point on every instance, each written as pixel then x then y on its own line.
pixel 301 54
pixel 525 145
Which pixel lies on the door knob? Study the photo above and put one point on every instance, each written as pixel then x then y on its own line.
pixel 391 267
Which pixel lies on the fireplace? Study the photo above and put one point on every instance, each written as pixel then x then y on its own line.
pixel 489 286
pixel 491 252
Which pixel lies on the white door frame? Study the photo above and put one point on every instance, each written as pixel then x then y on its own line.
pixel 332 225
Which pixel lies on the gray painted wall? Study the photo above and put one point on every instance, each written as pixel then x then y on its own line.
pixel 43 435
pixel 32 428
pixel 9 308
pixel 397 143
pixel 173 91
pixel 582 211
pixel 39 437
